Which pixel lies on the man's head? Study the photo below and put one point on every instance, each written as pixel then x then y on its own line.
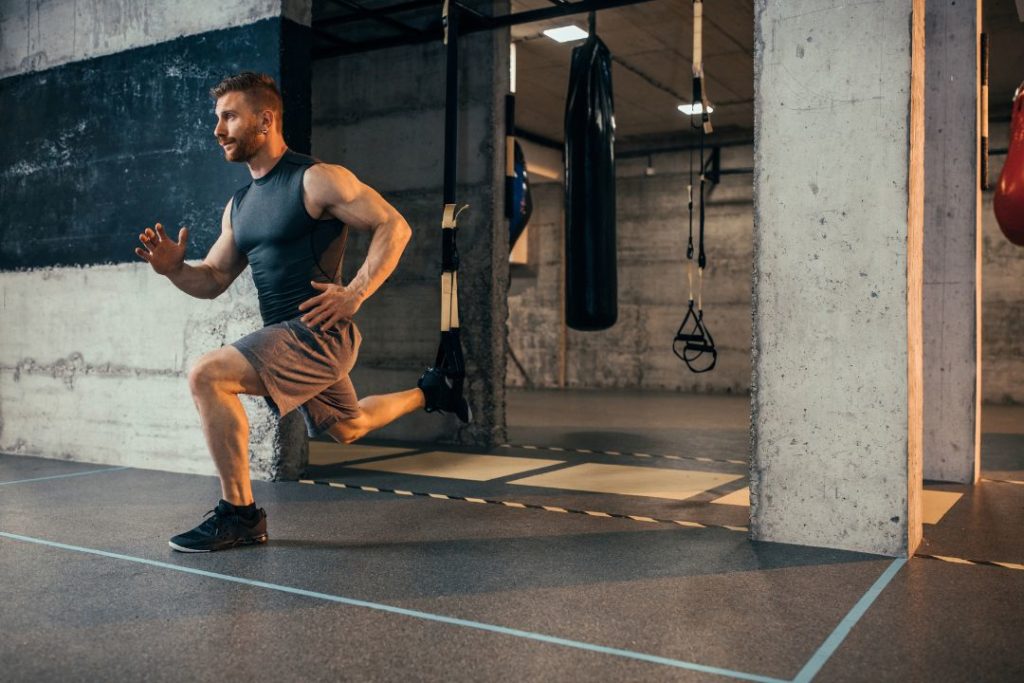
pixel 249 111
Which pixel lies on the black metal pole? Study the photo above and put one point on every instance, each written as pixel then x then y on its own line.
pixel 451 106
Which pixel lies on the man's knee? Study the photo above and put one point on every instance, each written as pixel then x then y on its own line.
pixel 350 429
pixel 205 374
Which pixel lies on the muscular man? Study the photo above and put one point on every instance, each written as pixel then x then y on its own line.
pixel 290 225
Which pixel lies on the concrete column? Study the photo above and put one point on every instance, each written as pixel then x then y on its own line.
pixel 838 197
pixel 952 243
pixel 114 125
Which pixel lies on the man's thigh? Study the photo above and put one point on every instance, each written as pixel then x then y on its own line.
pixel 230 371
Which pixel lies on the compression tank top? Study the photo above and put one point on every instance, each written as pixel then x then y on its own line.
pixel 283 243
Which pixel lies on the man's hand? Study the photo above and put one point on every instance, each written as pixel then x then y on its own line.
pixel 332 304
pixel 164 254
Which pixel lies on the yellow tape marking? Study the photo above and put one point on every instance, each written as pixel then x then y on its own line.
pixel 510 504
pixel 954 560
pixel 696 525
pixel 736 528
pixel 475 500
pixel 554 509
pixel 440 496
pixel 637 518
pixel 404 493
pixel 1010 565
pixel 596 514
pixel 371 489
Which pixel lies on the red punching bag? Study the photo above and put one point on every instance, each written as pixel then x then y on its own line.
pixel 1009 199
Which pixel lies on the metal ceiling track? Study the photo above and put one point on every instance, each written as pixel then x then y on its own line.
pixel 471 20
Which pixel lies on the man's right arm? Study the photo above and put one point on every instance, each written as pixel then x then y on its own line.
pixel 218 270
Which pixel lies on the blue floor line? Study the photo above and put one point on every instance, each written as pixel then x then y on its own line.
pixel 62 476
pixel 832 643
pixel 529 635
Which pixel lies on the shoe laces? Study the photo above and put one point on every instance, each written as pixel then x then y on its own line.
pixel 213 523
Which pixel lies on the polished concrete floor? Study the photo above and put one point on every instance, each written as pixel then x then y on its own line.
pixel 604 542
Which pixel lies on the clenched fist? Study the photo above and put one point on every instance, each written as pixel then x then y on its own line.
pixel 164 254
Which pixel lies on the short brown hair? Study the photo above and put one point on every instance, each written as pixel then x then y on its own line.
pixel 260 90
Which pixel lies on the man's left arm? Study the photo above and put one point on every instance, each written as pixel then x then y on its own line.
pixel 335 191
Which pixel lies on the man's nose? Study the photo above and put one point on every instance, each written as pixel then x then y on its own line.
pixel 220 130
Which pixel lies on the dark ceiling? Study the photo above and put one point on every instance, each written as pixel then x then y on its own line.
pixel 651 44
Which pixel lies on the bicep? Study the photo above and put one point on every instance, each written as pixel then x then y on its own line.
pixel 225 258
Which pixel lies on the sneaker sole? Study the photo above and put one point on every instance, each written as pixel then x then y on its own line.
pixel 262 538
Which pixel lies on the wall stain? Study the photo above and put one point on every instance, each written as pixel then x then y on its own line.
pixel 73 365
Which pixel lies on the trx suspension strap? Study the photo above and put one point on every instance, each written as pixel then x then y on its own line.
pixel 693 340
pixel 449 353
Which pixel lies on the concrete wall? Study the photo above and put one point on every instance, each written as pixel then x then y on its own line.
pixel 40 35
pixel 635 353
pixel 652 227
pixel 114 132
pixel 381 115
pixel 1002 308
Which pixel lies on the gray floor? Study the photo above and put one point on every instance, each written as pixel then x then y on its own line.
pixel 358 585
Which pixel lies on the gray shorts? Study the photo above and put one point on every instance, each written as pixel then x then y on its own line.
pixel 306 368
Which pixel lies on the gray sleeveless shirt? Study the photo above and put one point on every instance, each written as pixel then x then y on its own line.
pixel 283 243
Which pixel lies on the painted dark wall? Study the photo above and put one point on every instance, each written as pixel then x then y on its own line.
pixel 96 150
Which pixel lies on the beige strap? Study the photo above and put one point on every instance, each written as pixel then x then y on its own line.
pixel 449 301
pixel 450 219
pixel 510 156
pixel 698 35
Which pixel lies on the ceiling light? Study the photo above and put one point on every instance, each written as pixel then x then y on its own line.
pixel 566 34
pixel 693 109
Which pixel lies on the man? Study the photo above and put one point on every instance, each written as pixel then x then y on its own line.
pixel 308 344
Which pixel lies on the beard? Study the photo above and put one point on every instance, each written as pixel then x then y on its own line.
pixel 244 147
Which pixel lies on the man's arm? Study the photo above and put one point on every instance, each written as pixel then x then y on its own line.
pixel 335 191
pixel 205 281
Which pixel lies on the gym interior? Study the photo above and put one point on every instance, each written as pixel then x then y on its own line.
pixel 736 301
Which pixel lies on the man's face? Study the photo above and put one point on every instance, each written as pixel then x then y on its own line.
pixel 237 128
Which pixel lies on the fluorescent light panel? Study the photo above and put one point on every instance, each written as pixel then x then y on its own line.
pixel 566 34
pixel 694 109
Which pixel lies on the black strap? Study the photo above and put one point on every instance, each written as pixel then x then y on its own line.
pixel 449 358
pixel 693 341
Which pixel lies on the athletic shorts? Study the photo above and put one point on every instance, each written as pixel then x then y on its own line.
pixel 306 368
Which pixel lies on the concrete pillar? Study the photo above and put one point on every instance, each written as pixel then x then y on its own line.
pixel 838 197
pixel 952 243
pixel 114 125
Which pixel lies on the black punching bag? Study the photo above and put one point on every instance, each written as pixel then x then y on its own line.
pixel 591 285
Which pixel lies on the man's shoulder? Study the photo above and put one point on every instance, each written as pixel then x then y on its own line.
pixel 325 176
pixel 239 195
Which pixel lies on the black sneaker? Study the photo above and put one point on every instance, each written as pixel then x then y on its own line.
pixel 225 529
pixel 441 397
